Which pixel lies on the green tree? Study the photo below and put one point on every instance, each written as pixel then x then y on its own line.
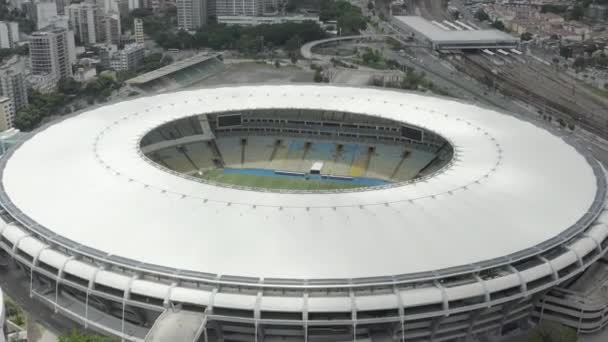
pixel 526 36
pixel 318 77
pixel 76 336
pixel 481 15
pixel 499 25
pixel 548 331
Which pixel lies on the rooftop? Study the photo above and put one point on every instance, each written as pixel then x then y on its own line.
pixel 500 197
pixel 437 34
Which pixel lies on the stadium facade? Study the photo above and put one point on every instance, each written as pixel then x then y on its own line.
pixel 2 318
pixel 112 238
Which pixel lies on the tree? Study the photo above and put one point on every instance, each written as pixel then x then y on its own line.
pixel 499 25
pixel 526 36
pixel 548 331
pixel 76 336
pixel 318 77
pixel 579 63
pixel 481 15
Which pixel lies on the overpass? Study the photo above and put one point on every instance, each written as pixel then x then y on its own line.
pixel 306 49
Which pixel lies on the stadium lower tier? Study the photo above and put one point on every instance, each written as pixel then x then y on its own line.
pixel 262 160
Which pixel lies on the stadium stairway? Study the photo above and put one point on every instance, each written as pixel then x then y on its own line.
pixel 177 325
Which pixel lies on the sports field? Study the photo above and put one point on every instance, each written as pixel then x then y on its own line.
pixel 266 179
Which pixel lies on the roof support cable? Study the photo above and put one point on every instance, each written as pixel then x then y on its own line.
pixel 523 286
pixel 401 309
pixel 34 265
pixel 553 271
pixel 444 297
pixel 58 280
pixel 579 259
pixel 305 315
pixel 485 290
pixel 598 244
pixel 16 245
pixel 167 303
pixel 126 296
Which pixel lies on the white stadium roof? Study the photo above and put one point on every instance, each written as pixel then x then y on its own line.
pixel 513 185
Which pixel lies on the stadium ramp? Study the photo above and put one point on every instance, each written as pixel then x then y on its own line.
pixel 177 325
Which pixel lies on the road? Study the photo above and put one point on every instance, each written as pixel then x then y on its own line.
pixel 16 286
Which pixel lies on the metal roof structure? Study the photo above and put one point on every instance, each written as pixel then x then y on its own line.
pixel 444 38
pixel 512 189
pixel 171 68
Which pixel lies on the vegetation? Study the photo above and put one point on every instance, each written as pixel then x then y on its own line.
pixel 248 40
pixel 14 313
pixel 23 50
pixel 548 331
pixel 349 17
pixel 499 25
pixel 411 81
pixel 42 106
pixel 76 336
pixel 25 25
pixel 481 15
pixel 526 36
pixel 273 182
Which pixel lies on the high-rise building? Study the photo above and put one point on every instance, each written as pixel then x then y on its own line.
pixel 134 4
pixel 60 4
pixel 249 8
pixel 12 82
pixel 127 59
pixel 191 14
pixel 41 12
pixel 50 52
pixel 106 6
pixel 138 30
pixel 9 34
pixel 109 28
pixel 7 116
pixel 84 21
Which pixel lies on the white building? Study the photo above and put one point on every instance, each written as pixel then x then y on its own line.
pixel 249 8
pixel 109 29
pixel 84 74
pixel 250 21
pixel 50 53
pixel 126 59
pixel 84 22
pixel 9 34
pixel 134 4
pixel 12 82
pixel 7 116
pixel 138 30
pixel 42 12
pixel 42 83
pixel 191 14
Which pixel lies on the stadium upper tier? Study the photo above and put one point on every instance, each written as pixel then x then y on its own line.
pixel 513 190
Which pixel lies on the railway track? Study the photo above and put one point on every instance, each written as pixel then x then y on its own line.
pixel 538 87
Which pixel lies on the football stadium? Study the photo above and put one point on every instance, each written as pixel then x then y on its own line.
pixel 300 213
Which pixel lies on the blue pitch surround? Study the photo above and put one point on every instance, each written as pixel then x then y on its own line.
pixel 322 178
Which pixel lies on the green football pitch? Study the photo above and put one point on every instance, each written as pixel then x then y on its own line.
pixel 274 183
